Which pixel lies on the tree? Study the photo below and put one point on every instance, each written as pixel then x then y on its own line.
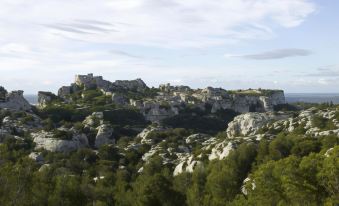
pixel 195 194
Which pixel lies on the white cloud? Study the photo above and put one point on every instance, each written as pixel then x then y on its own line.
pixel 55 39
pixel 170 23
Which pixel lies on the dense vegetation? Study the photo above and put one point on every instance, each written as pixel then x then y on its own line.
pixel 201 121
pixel 288 170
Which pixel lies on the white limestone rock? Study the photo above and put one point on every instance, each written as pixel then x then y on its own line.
pixel 25 123
pixel 221 150
pixel 104 135
pixel 144 135
pixel 44 98
pixel 45 140
pixel 248 124
pixel 155 112
pixel 37 157
pixel 187 166
pixel 15 101
pixel 93 120
pixel 197 138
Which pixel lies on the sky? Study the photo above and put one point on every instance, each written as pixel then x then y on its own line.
pixel 234 44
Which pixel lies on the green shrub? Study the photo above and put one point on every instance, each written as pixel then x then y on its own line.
pixel 61 134
pixel 323 123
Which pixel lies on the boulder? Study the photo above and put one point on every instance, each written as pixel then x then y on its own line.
pixel 37 157
pixel 44 98
pixel 15 101
pixel 64 91
pixel 104 135
pixel 45 140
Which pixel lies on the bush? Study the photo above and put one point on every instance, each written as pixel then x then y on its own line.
pixel 61 134
pixel 200 121
pixel 124 117
pixel 67 113
pixel 323 123
pixel 89 95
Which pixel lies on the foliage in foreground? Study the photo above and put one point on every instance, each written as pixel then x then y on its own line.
pixel 289 170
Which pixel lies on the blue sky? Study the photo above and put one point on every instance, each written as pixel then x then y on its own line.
pixel 290 44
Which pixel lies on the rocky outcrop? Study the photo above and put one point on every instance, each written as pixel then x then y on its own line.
pixel 25 123
pixel 14 100
pixel 118 99
pixel 44 98
pixel 155 111
pixel 134 85
pixel 257 101
pixel 93 120
pixel 187 166
pixel 64 91
pixel 104 135
pixel 221 150
pixel 46 140
pixel 176 97
pixel 144 136
pixel 240 101
pixel 250 123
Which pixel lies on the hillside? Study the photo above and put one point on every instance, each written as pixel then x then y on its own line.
pixel 99 142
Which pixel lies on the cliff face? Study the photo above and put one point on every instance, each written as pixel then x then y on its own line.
pixel 14 100
pixel 257 103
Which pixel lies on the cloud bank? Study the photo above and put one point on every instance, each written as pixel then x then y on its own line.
pixel 162 23
pixel 275 54
pixel 51 40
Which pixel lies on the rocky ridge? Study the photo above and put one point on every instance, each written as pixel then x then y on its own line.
pixel 184 150
pixel 168 100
